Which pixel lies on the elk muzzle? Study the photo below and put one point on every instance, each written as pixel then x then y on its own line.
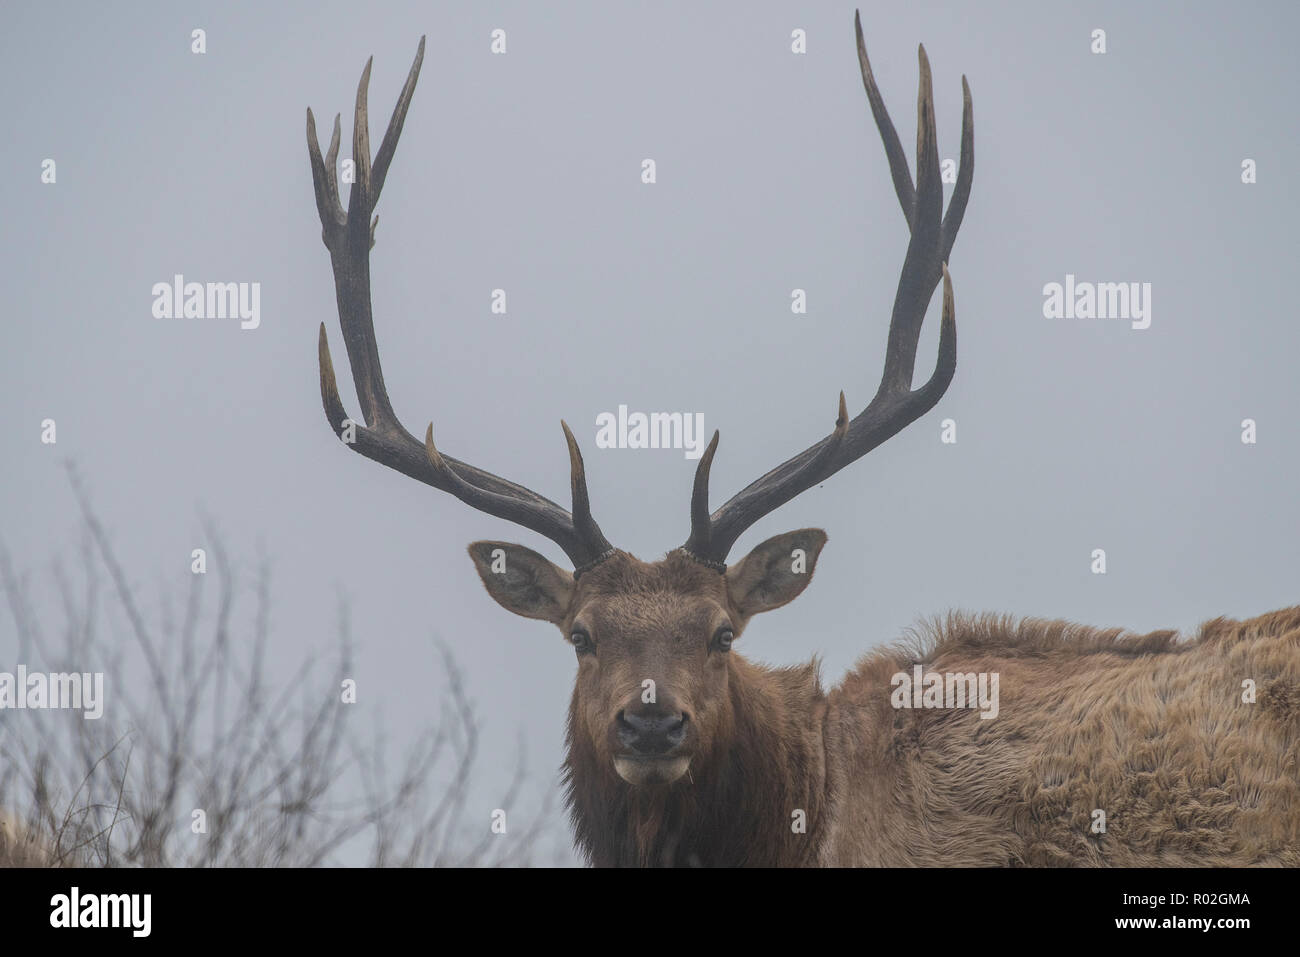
pixel 650 744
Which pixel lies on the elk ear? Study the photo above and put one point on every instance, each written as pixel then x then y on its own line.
pixel 775 572
pixel 523 581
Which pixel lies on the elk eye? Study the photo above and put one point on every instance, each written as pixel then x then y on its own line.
pixel 582 643
pixel 722 640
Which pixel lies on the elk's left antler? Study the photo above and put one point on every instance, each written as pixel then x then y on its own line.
pixel 896 404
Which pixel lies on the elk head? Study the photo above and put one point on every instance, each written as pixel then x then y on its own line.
pixel 653 641
pixel 655 672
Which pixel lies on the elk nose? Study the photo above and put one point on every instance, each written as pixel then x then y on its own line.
pixel 651 733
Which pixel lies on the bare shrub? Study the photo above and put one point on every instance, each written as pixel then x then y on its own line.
pixel 278 767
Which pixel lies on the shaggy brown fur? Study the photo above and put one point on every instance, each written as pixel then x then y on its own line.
pixel 1151 730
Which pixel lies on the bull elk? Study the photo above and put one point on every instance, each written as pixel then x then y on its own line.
pixel 729 762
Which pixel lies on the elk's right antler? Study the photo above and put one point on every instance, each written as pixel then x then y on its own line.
pixel 349 238
pixel 896 404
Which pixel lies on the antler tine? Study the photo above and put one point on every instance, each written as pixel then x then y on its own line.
pixel 359 200
pixel 388 145
pixel 332 161
pixel 583 544
pixel 369 180
pixel 893 146
pixel 349 237
pixel 965 172
pixel 583 523
pixel 323 179
pixel 895 404
pixel 701 545
pixel 329 387
pixel 920 270
pixel 698 545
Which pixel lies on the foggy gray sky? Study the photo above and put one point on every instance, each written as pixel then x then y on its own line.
pixel 522 172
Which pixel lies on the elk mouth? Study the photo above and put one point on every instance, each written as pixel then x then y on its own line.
pixel 646 769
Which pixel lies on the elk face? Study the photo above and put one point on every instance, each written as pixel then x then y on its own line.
pixel 653 642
